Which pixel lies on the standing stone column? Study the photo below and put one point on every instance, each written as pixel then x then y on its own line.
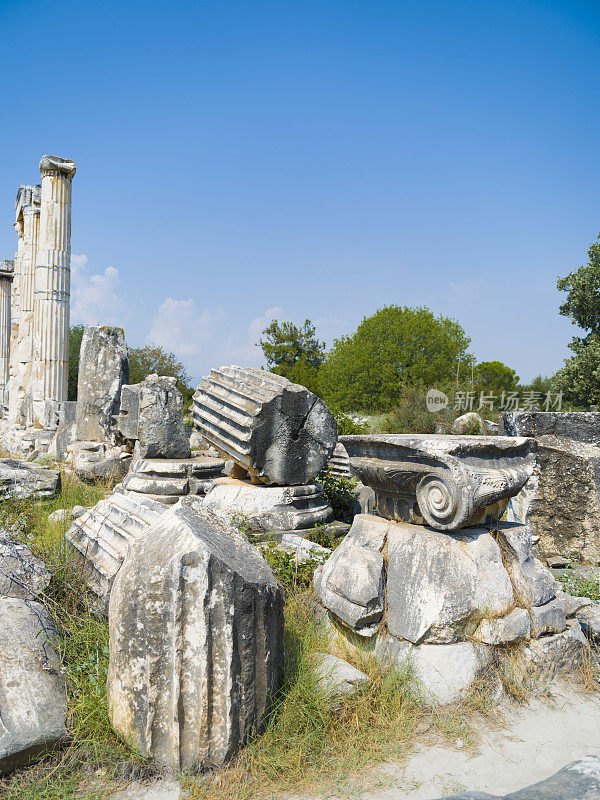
pixel 52 285
pixel 27 208
pixel 7 269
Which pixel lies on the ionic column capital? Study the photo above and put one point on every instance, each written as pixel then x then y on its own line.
pixel 54 165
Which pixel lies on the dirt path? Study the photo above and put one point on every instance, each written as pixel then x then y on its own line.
pixel 536 741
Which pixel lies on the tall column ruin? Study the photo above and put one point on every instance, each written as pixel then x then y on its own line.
pixel 27 208
pixel 52 286
pixel 7 269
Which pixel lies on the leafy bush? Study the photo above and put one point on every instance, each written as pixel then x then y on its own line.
pixel 290 573
pixel 340 493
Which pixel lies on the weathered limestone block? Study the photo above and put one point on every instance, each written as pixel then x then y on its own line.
pixel 581 426
pixel 24 481
pixel 22 575
pixel 560 653
pixel 351 583
pixel 533 583
pixel 440 586
pixel 270 508
pixel 196 642
pixel 152 413
pixel 336 676
pixel 168 479
pixel 66 433
pixel 102 535
pixel 562 498
pixel 279 432
pixel 443 673
pixel 103 369
pixel 589 619
pixel 33 697
pixel 127 423
pixel 447 482
pixel 549 618
pixel 514 627
pixel 572 605
pixel 469 424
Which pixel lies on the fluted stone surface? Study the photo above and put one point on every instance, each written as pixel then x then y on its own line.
pixel 102 535
pixel 339 463
pixel 279 432
pixel 52 284
pixel 270 508
pixel 7 271
pixel 27 225
pixel 166 480
pixel 103 369
pixel 196 641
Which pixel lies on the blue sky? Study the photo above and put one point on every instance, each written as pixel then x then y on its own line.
pixel 240 161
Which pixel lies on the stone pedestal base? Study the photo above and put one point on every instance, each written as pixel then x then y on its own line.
pixel 453 606
pixel 168 479
pixel 270 508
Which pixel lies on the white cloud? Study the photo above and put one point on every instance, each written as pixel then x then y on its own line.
pixel 94 298
pixel 182 328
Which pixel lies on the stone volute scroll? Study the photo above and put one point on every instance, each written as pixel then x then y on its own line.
pixel 447 482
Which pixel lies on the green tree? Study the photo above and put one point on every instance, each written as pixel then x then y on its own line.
pixel 75 337
pixel 494 376
pixel 294 352
pixel 579 379
pixel 285 344
pixel 144 361
pixel 397 346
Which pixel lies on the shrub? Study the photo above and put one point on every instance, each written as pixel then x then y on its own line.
pixel 340 493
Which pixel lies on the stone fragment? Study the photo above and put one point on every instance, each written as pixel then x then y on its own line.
pixel 447 482
pixel 24 481
pixel 549 618
pixel 440 586
pixel 161 432
pixel 103 369
pixel 572 605
pixel 443 673
pixel 270 508
pixel 351 583
pixel 589 619
pixel 514 627
pixel 279 432
pixel 580 426
pixel 127 422
pixel 339 463
pixel 533 583
pixel 206 606
pixel 103 533
pixel 579 780
pixel 468 424
pixel 336 676
pixel 559 653
pixel 562 499
pixel 66 433
pixel 33 698
pixel 168 479
pixel 22 575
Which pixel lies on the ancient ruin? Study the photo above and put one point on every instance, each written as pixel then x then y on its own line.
pixel 561 500
pixel 439 590
pixel 36 351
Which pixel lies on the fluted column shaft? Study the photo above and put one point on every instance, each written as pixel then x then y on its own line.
pixel 52 284
pixel 6 279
